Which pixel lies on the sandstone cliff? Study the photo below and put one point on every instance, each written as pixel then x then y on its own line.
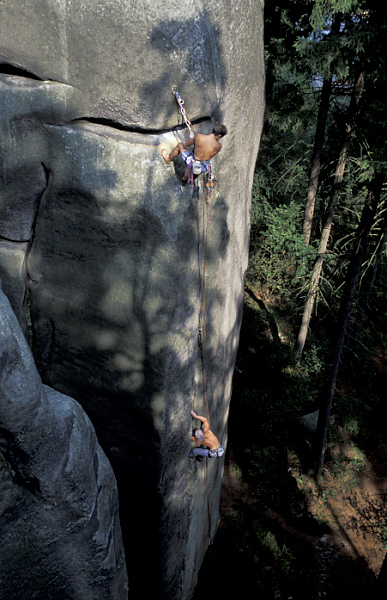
pixel 99 245
pixel 59 523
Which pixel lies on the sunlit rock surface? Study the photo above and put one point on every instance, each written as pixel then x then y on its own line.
pixel 104 272
pixel 59 524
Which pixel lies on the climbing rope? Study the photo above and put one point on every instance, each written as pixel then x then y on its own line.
pixel 202 263
pixel 207 180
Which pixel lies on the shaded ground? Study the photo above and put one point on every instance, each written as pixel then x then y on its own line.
pixel 312 540
pixel 283 534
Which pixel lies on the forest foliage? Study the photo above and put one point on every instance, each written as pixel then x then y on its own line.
pixel 332 160
pixel 324 141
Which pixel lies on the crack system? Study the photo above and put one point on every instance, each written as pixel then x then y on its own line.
pixel 17 71
pixel 137 129
pixel 26 302
pixel 10 69
pixel 33 228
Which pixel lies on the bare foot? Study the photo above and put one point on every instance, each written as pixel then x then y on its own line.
pixel 165 155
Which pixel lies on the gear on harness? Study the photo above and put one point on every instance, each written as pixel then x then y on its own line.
pixel 196 167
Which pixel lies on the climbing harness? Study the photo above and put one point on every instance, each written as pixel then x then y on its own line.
pixel 197 167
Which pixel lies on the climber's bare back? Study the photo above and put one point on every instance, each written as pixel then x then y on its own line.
pixel 206 146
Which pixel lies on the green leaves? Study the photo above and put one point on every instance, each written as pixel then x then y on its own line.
pixel 324 10
pixel 279 260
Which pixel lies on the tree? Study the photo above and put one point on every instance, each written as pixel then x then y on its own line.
pixel 338 179
pixel 345 310
pixel 322 117
pixel 316 158
pixel 369 280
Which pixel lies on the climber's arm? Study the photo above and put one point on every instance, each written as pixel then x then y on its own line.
pixel 210 439
pixel 204 420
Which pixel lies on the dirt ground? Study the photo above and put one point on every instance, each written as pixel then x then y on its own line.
pixel 340 519
pixel 350 499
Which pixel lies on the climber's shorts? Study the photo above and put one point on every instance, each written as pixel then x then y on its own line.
pixel 207 452
pixel 197 166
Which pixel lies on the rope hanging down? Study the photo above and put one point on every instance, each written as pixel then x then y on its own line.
pixel 202 262
pixel 202 255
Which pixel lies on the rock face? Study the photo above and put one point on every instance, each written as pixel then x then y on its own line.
pixel 59 525
pixel 99 249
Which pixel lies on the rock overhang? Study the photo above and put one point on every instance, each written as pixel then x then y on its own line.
pixel 119 61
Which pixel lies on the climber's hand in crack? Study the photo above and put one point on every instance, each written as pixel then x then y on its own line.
pixel 209 439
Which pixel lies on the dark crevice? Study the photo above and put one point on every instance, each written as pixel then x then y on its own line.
pixel 7 239
pixel 29 280
pixel 137 129
pixel 47 174
pixel 33 227
pixel 18 462
pixel 32 236
pixel 43 348
pixel 8 69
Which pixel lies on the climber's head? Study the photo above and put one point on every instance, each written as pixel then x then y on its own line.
pixel 199 435
pixel 219 130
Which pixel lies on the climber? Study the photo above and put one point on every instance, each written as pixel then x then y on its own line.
pixel 205 147
pixel 205 437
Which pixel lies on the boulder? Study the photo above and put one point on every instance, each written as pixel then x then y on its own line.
pixel 113 293
pixel 59 524
pixel 308 424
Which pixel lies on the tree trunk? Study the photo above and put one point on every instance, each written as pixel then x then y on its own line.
pixel 316 158
pixel 346 304
pixel 370 276
pixel 269 84
pixel 313 287
pixel 322 116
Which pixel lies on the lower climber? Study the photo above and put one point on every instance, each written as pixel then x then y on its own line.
pixel 206 438
pixel 204 148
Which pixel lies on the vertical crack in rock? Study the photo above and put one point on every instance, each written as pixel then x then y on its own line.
pixel 214 49
pixel 29 280
pixel 33 227
pixel 43 352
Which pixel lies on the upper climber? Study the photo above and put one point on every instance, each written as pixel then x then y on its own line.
pixel 209 443
pixel 204 148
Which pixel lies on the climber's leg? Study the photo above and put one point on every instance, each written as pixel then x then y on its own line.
pixel 186 174
pixel 175 152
